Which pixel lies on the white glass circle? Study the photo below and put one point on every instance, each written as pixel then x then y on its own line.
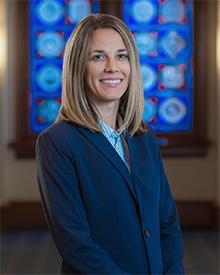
pixel 173 11
pixel 145 43
pixel 50 44
pixel 143 11
pixel 49 78
pixel 172 110
pixel 78 9
pixel 172 77
pixel 49 11
pixel 49 110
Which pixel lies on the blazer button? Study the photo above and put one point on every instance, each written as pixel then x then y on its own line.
pixel 147 233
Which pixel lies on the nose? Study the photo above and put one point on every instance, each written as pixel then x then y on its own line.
pixel 111 66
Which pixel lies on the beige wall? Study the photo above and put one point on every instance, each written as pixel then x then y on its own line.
pixel 194 178
pixel 2 34
pixel 18 180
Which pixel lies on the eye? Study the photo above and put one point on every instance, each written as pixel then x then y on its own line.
pixel 98 57
pixel 122 56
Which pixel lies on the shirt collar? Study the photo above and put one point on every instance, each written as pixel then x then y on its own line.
pixel 108 131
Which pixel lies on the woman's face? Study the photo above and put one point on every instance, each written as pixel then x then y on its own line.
pixel 108 67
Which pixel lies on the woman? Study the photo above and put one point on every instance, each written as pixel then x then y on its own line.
pixel 103 186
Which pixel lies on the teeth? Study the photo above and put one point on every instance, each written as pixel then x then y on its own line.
pixel 108 81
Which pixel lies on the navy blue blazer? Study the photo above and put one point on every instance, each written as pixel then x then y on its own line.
pixel 103 218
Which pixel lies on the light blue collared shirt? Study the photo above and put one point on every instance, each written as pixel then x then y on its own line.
pixel 115 139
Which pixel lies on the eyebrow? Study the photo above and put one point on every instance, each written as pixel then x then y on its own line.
pixel 101 51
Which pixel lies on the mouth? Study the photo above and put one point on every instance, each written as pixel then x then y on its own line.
pixel 111 82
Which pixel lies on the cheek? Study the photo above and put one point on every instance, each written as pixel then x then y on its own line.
pixel 128 74
pixel 127 70
pixel 88 73
pixel 91 74
pixel 88 76
pixel 91 79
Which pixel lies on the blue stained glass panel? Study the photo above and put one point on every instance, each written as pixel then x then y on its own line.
pixel 49 44
pixel 51 23
pixel 172 11
pixel 172 44
pixel 163 31
pixel 163 34
pixel 172 110
pixel 172 77
pixel 47 110
pixel 146 43
pixel 143 11
pixel 48 78
pixel 77 10
pixel 49 12
pixel 150 110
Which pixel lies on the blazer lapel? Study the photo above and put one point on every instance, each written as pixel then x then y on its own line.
pixel 134 157
pixel 104 146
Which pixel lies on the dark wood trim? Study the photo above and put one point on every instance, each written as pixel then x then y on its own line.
pixel 24 143
pixel 113 8
pixel 29 215
pixel 196 214
pixel 22 215
pixel 216 217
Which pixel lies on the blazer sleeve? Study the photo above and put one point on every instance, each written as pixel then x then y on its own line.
pixel 65 212
pixel 170 231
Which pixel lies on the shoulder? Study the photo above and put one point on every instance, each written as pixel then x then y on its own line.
pixel 60 134
pixel 59 128
pixel 147 142
pixel 148 136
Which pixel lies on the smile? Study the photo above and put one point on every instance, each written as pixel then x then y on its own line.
pixel 111 81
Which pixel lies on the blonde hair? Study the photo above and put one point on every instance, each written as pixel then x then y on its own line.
pixel 75 105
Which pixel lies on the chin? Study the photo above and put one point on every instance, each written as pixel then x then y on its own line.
pixel 115 94
pixel 113 98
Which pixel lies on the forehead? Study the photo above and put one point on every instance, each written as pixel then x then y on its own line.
pixel 106 39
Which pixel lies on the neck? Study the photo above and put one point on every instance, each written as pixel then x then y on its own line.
pixel 109 113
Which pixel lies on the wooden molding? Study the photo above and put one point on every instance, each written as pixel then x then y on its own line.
pixel 216 216
pixel 22 215
pixel 29 215
pixel 196 214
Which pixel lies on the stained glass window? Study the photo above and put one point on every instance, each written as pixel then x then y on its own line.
pixel 163 34
pixel 51 23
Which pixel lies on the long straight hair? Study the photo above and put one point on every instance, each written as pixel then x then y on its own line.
pixel 75 104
